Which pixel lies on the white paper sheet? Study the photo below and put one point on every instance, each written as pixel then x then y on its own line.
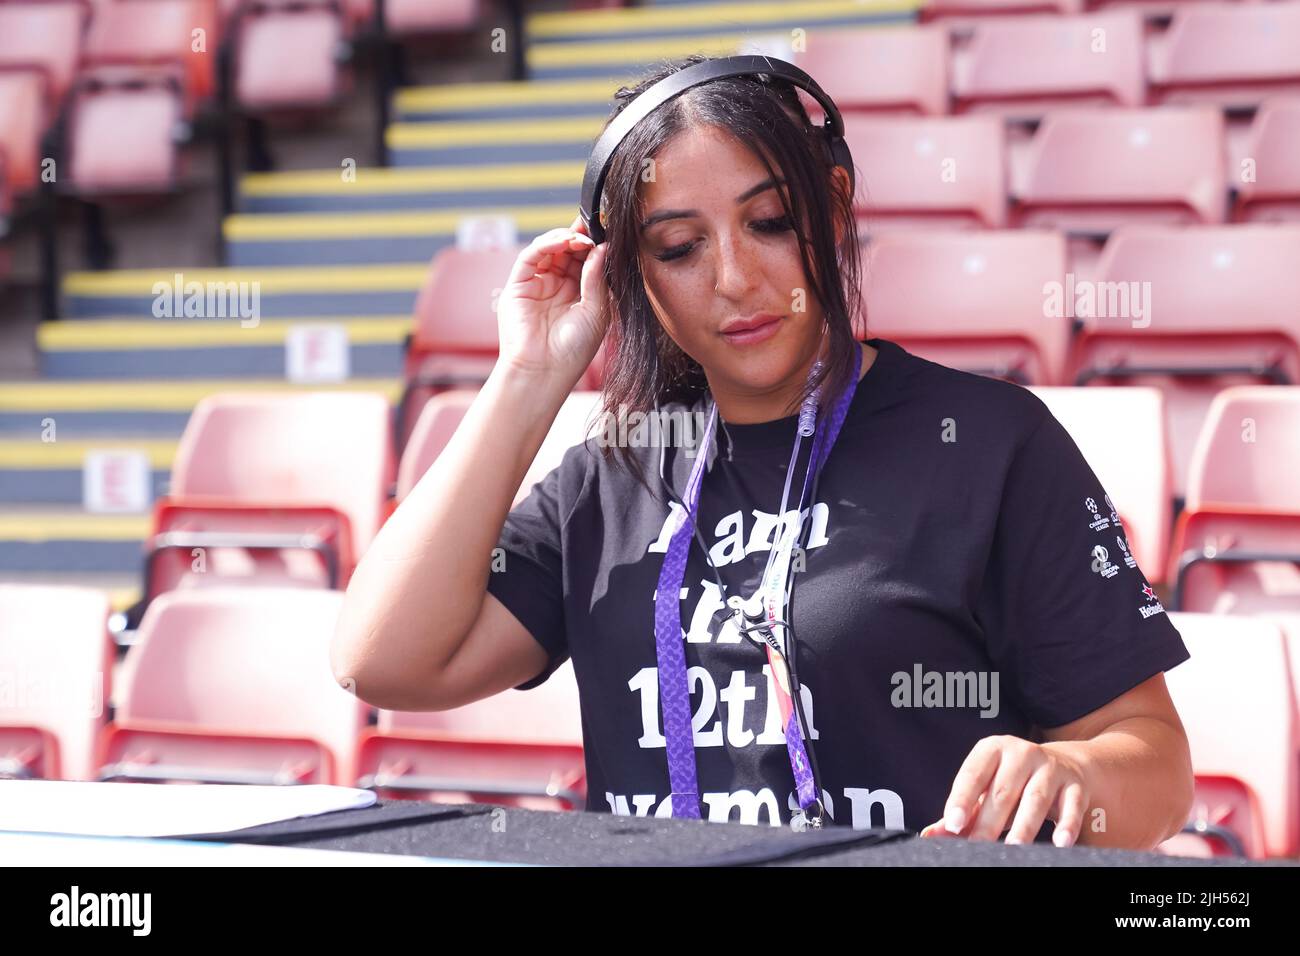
pixel 151 809
pixel 46 849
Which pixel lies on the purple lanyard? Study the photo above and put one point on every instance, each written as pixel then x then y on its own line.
pixel 674 687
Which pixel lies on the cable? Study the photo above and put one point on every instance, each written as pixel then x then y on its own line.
pixel 790 638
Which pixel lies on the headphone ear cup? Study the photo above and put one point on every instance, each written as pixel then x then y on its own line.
pixel 841 157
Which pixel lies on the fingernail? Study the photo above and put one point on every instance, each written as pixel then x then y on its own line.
pixel 954 818
pixel 1012 838
pixel 1061 836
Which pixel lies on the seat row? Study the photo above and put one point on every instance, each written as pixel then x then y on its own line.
pixel 234 686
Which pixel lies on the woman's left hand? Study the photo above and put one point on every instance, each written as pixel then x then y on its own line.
pixel 1006 782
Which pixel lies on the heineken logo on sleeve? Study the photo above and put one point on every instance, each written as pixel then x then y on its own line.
pixel 1147 610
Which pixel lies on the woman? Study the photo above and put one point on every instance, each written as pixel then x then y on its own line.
pixel 960 656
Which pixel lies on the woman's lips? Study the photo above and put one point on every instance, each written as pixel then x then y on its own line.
pixel 753 336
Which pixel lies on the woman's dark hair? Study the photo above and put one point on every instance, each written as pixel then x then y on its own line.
pixel 644 366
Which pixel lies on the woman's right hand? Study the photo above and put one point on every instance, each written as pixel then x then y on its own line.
pixel 551 314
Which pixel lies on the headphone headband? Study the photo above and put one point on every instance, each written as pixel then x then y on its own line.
pixel 593 181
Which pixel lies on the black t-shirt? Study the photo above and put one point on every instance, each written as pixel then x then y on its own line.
pixel 954 588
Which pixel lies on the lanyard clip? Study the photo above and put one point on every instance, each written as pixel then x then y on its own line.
pixel 813 820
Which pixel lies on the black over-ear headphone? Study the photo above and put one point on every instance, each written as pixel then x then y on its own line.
pixel 593 181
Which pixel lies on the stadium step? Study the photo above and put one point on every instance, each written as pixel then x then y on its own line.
pixel 52 412
pixel 277 292
pixel 321 239
pixel 372 189
pixel 482 142
pixel 517 100
pixel 205 349
pixel 577 44
pixel 70 541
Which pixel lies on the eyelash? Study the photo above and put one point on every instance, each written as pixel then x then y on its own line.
pixel 774 225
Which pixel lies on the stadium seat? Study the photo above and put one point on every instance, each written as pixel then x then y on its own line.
pixel 971 300
pixel 57 661
pixel 438 421
pixel 574 423
pixel 1024 66
pixel 272 489
pixel 122 133
pixel 1227 54
pixel 158 33
pixel 1236 701
pixel 1268 190
pixel 907 66
pixel 404 18
pixel 45 39
pixel 1090 171
pixel 1237 544
pixel 517 748
pixel 286 55
pixel 454 341
pixel 1121 432
pixel 22 124
pixel 1218 309
pixel 929 172
pixel 233 685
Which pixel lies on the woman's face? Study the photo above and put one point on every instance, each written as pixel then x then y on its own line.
pixel 715 249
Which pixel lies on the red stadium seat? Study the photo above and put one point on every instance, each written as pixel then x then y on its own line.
pixel 420 17
pixel 22 123
pixel 1024 66
pixel 1271 193
pixel 907 69
pixel 928 172
pixel 1091 171
pixel 157 33
pixel 1227 54
pixel 46 39
pixel 1237 704
pixel 1219 309
pixel 518 748
pixel 273 489
pixel 287 55
pixel 1237 544
pixel 231 685
pixel 971 300
pixel 122 133
pixel 58 663
pixel 577 419
pixel 438 421
pixel 1121 432
pixel 455 340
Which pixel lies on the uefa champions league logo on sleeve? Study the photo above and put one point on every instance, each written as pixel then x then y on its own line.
pixel 1098 522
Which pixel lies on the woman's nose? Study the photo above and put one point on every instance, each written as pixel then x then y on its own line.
pixel 733 265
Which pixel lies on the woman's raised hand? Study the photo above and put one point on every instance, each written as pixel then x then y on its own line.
pixel 551 315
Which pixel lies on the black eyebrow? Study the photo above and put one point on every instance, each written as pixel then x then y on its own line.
pixel 749 193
